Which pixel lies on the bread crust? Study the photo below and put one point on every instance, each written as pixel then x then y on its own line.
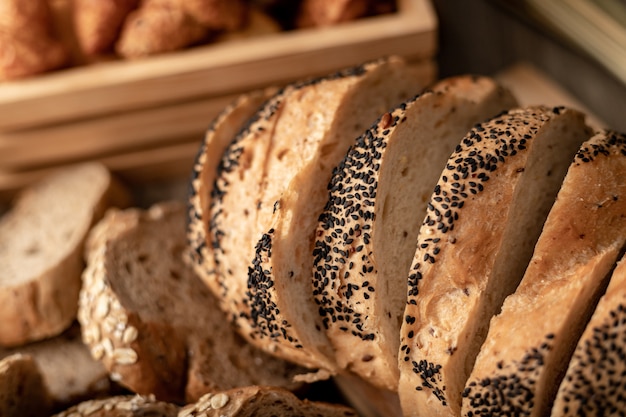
pixel 482 223
pixel 121 406
pixel 366 234
pixel 40 300
pixel 22 389
pixel 582 239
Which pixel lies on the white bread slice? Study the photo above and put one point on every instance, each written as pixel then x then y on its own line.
pixel 122 406
pixel 482 223
pixel 41 244
pixel 68 370
pixel 219 135
pixel 531 340
pixel 594 380
pixel 22 389
pixel 296 138
pixel 151 320
pixel 261 401
pixel 366 234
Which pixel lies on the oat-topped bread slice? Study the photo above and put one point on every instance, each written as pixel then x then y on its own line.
pixel 41 243
pixel 22 389
pixel 122 406
pixel 594 380
pixel 218 136
pixel 296 139
pixel 68 370
pixel 366 234
pixel 151 320
pixel 261 401
pixel 531 340
pixel 482 222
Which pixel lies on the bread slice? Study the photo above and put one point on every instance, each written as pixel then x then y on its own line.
pixel 220 133
pixel 482 223
pixel 593 383
pixel 41 243
pixel 22 389
pixel 531 340
pixel 122 406
pixel 366 234
pixel 294 141
pixel 261 401
pixel 69 372
pixel 151 320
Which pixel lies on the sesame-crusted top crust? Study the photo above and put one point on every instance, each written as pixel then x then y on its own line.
pixel 478 234
pixel 521 362
pixel 269 190
pixel 366 234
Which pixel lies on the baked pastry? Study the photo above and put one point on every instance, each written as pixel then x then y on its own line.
pixel 98 23
pixel 259 401
pixel 122 406
pixel 221 132
pixel 366 234
pixel 22 390
pixel 593 383
pixel 482 222
pixel 151 320
pixel 41 245
pixel 330 12
pixel 278 167
pixel 521 362
pixel 67 368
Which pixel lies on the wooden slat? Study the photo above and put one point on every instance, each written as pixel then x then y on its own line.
pixel 215 70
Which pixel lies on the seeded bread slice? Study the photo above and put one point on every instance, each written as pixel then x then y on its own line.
pixel 260 401
pixel 151 320
pixel 22 389
pixel 482 223
pixel 594 380
pixel 41 243
pixel 365 239
pixel 295 140
pixel 522 360
pixel 220 133
pixel 122 406
pixel 68 370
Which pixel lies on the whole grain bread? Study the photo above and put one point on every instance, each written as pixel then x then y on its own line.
pixel 594 381
pixel 151 320
pixel 122 406
pixel 41 245
pixel 291 146
pixel 260 401
pixel 483 220
pixel 531 340
pixel 22 389
pixel 366 234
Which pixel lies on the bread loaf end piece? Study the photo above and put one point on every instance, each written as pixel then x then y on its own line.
pixel 221 132
pixel 290 147
pixel 482 223
pixel 122 406
pixel 531 340
pixel 367 232
pixel 22 389
pixel 41 245
pixel 594 380
pixel 261 401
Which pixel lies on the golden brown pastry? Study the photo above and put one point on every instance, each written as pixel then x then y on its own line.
pixel 98 23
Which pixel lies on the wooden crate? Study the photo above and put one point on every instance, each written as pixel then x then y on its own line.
pixel 146 118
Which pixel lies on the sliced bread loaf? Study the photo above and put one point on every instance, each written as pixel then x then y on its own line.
pixel 41 244
pixel 260 401
pixel 220 133
pixel 122 406
pixel 365 238
pixel 531 340
pixel 151 320
pixel 594 380
pixel 291 146
pixel 22 389
pixel 482 223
